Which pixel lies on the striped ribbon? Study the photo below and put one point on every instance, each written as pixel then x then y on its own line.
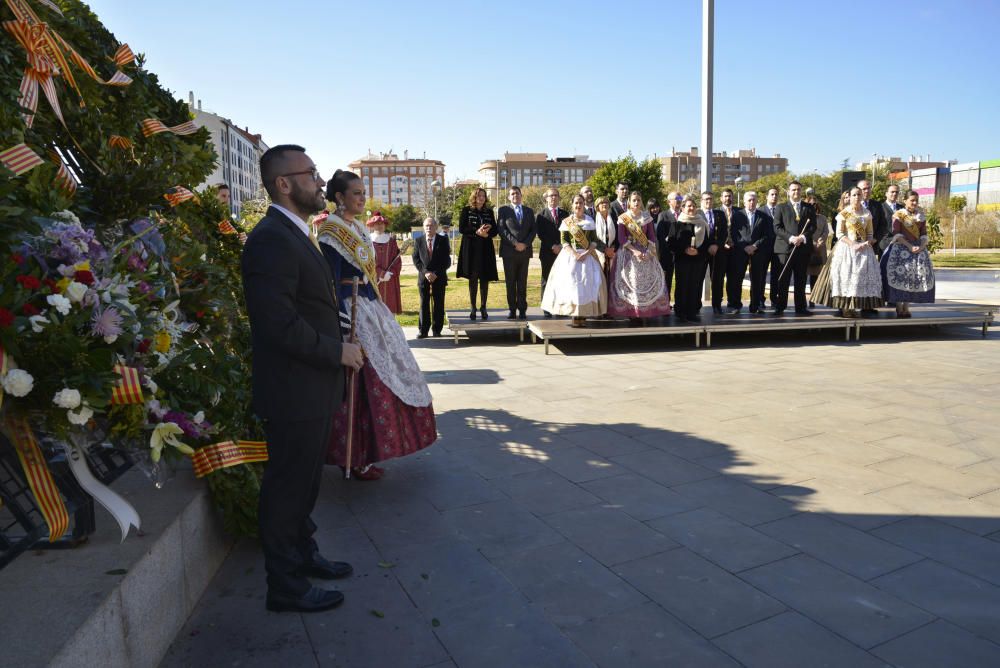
pixel 180 194
pixel 20 159
pixel 117 141
pixel 36 470
pixel 226 227
pixel 228 453
pixel 127 389
pixel 3 370
pixel 39 71
pixel 123 56
pixel 51 5
pixel 151 127
pixel 64 180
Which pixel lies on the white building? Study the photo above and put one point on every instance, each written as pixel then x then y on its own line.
pixel 239 151
pixel 395 182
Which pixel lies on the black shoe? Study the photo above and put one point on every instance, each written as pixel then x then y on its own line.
pixel 321 567
pixel 869 311
pixel 717 310
pixel 778 312
pixel 482 311
pixel 693 318
pixel 511 316
pixel 522 316
pixel 547 314
pixel 472 314
pixel 314 600
pixel 422 335
pixel 733 310
pixel 438 333
pixel 803 312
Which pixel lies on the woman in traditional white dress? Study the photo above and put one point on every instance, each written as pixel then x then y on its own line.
pixel 855 280
pixel 576 284
pixel 907 271
pixel 637 287
pixel 393 414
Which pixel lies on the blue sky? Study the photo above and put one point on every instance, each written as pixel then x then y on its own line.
pixel 816 82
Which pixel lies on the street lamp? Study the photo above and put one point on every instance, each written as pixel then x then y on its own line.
pixel 739 189
pixel 435 184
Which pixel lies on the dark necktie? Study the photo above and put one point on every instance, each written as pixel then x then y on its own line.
pixel 555 216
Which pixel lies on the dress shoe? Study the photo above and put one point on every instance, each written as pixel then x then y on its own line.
pixel 733 310
pixel 422 335
pixel 717 310
pixel 778 312
pixel 547 314
pixel 693 318
pixel 472 314
pixel 437 333
pixel 868 312
pixel 482 312
pixel 803 312
pixel 511 316
pixel 522 316
pixel 321 567
pixel 314 600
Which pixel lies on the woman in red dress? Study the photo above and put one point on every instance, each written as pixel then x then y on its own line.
pixel 388 263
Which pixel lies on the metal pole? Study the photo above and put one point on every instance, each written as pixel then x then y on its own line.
pixel 954 234
pixel 707 64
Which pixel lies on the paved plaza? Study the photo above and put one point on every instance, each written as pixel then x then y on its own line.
pixel 776 500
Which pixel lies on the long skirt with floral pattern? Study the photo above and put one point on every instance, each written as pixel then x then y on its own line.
pixel 384 426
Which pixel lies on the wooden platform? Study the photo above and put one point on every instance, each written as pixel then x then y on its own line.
pixel 460 323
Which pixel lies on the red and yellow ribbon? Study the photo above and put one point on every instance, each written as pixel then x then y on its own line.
pixel 180 194
pixel 20 159
pixel 228 453
pixel 128 389
pixel 151 127
pixel 226 227
pixel 36 470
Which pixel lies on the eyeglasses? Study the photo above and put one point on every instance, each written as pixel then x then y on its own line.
pixel 314 173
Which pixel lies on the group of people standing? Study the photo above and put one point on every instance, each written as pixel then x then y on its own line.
pixel 619 258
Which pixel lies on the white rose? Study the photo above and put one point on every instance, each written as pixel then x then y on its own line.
pixel 37 322
pixel 18 382
pixel 199 417
pixel 67 398
pixel 81 416
pixel 111 338
pixel 151 384
pixel 60 303
pixel 75 291
pixel 156 409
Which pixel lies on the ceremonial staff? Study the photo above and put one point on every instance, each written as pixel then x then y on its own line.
pixel 351 381
pixel 788 263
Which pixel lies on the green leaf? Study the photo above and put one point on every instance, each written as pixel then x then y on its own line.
pixel 378 613
pixel 386 564
pixel 435 622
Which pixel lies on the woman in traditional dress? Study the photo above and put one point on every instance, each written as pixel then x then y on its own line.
pixel 477 259
pixel 576 284
pixel 388 263
pixel 688 240
pixel 819 253
pixel 393 414
pixel 637 288
pixel 906 265
pixel 855 281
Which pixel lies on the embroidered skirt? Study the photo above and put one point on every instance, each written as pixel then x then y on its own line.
pixel 855 280
pixel 907 276
pixel 576 287
pixel 638 286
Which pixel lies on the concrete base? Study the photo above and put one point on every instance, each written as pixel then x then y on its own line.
pixel 109 604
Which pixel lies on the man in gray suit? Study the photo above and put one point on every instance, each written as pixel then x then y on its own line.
pixel 516 225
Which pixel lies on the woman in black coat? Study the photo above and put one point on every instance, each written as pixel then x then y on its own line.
pixel 477 260
pixel 689 242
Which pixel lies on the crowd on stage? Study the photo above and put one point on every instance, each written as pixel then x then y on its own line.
pixel 630 258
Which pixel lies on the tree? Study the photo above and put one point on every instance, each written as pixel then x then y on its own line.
pixel 644 177
pixel 957 203
pixel 405 218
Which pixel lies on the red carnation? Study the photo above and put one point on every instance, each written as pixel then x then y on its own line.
pixel 52 285
pixel 29 282
pixel 199 314
pixel 29 310
pixel 144 345
pixel 6 318
pixel 17 258
pixel 84 276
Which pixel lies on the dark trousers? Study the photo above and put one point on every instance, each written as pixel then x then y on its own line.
pixel 667 264
pixel 432 317
pixel 548 258
pixel 717 267
pixel 288 491
pixel 735 273
pixel 690 275
pixel 759 262
pixel 797 272
pixel 515 272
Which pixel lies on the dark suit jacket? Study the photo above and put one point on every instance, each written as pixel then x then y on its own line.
pixel 721 232
pixel 512 231
pixel 616 210
pixel 439 262
pixel 880 223
pixel 759 231
pixel 663 251
pixel 294 323
pixel 548 229
pixel 786 226
pixel 887 213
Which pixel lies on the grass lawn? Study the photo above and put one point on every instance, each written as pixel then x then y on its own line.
pixel 944 259
pixel 457 295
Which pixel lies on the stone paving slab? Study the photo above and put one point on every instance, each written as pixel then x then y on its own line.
pixel 609 506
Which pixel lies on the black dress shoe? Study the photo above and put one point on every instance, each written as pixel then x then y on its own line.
pixel 321 567
pixel 314 600
pixel 472 314
pixel 422 335
pixel 522 316
pixel 693 318
pixel 717 310
pixel 482 312
pixel 803 312
pixel 437 333
pixel 733 310
pixel 547 314
pixel 511 316
pixel 779 312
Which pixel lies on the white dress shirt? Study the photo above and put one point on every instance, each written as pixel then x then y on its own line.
pixel 299 223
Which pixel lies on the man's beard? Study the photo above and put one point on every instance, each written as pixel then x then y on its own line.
pixel 311 202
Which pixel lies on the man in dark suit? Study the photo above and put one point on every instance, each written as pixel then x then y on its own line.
pixel 889 208
pixel 718 251
pixel 588 199
pixel 298 376
pixel 794 224
pixel 431 257
pixel 547 225
pixel 620 205
pixel 667 218
pixel 516 225
pixel 876 208
pixel 752 232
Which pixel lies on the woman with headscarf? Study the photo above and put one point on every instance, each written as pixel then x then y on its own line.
pixel 637 288
pixel 689 242
pixel 388 263
pixel 576 284
pixel 477 259
pixel 393 413
pixel 907 272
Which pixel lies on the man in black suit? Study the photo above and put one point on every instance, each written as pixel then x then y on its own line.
pixel 620 205
pixel 547 225
pixel 667 218
pixel 752 232
pixel 588 199
pixel 880 226
pixel 718 250
pixel 298 376
pixel 516 225
pixel 431 257
pixel 794 224
pixel 889 208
